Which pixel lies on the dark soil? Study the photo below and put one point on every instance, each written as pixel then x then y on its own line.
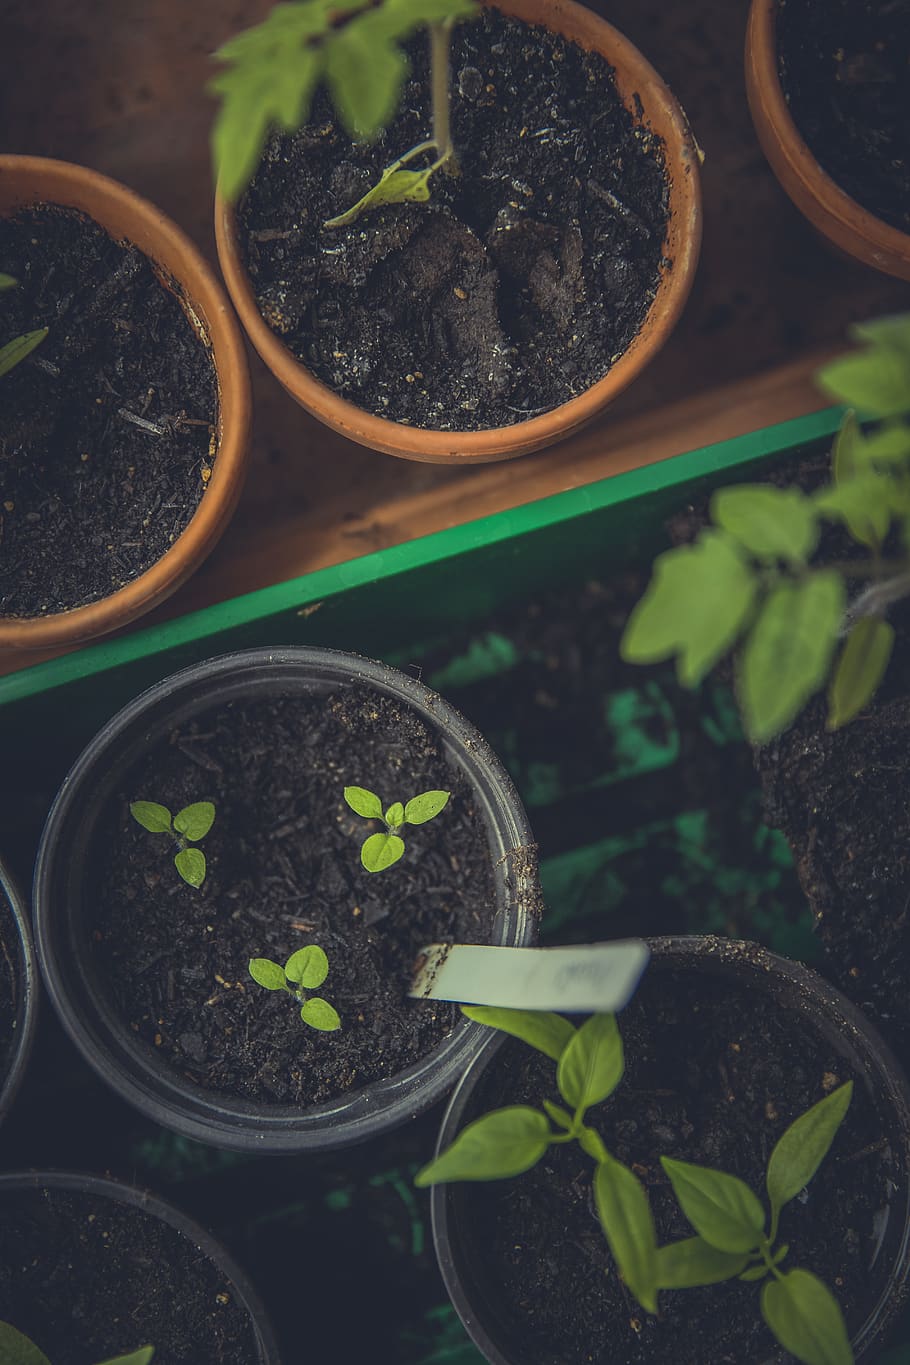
pixel 714 1075
pixel 284 871
pixel 88 1278
pixel 107 431
pixel 844 71
pixel 520 282
pixel 10 985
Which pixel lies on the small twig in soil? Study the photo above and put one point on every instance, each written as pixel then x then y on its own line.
pixel 864 1152
pixel 47 365
pixel 151 427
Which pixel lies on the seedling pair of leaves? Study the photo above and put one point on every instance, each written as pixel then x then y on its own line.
pixel 380 851
pixel 747 582
pixel 18 1349
pixel 188 826
pixel 16 350
pixel 304 971
pixel 733 1238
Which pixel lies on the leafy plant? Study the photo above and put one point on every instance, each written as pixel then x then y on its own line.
pixel 748 582
pixel 21 346
pixel 729 1221
pixel 380 851
pixel 188 826
pixel 304 971
pixel 17 1349
pixel 354 47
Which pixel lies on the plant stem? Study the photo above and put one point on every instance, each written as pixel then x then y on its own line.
pixel 440 44
pixel 873 600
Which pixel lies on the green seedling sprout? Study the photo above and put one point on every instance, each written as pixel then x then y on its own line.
pixel 18 1349
pixel 16 350
pixel 188 826
pixel 748 583
pixel 304 971
pixel 380 851
pixel 734 1236
pixel 354 47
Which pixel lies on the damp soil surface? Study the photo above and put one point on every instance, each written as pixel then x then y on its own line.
pixel 88 1278
pixel 843 67
pixel 516 286
pixel 714 1074
pixel 108 429
pixel 284 871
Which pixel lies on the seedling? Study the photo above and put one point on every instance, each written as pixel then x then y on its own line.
pixel 748 582
pixel 733 1237
pixel 18 1349
pixel 188 826
pixel 303 972
pixel 354 48
pixel 16 350
pixel 380 851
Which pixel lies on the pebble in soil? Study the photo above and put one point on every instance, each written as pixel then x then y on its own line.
pixel 714 1074
pixel 521 281
pixel 284 871
pixel 108 430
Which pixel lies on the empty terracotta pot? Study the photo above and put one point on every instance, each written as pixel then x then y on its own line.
pixel 839 219
pixel 636 80
pixel 26 181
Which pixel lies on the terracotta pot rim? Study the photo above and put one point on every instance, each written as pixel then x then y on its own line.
pixel 819 197
pixel 65 183
pixel 495 443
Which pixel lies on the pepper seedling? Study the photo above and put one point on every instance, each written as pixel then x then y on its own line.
pixel 727 1216
pixel 18 1349
pixel 354 48
pixel 16 350
pixel 380 851
pixel 189 825
pixel 304 971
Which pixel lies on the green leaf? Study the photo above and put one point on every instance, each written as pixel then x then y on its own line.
pixel 859 670
pixel 394 816
pixel 695 607
pixel 560 1116
pixel 17 1349
pixel 268 974
pixel 800 1150
pixel 787 654
pixel 548 1033
pixel 141 1357
pixel 591 1063
pixel 758 1272
pixel 590 1142
pixel 876 380
pixel 19 348
pixel 846 451
pixel 365 74
pixel 891 331
pixel 889 445
pixel 694 1262
pixel 720 1207
pixel 863 504
pixel 806 1319
pixel 400 18
pixel 772 523
pixel 381 851
pixel 190 863
pixel 308 967
pixel 196 820
pixel 625 1216
pixel 7 282
pixel 363 802
pixel 425 807
pixel 393 187
pixel 156 819
pixel 319 1014
pixel 501 1144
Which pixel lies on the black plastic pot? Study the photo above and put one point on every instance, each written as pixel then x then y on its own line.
pixel 791 984
pixel 132 1067
pixel 16 937
pixel 99 1187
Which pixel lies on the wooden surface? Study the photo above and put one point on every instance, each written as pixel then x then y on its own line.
pixel 118 85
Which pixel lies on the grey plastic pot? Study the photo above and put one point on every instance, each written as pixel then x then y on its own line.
pixel 16 940
pixel 794 986
pixel 64 948
pixel 103 1187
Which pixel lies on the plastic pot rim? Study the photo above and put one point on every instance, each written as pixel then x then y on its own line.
pixel 27 1012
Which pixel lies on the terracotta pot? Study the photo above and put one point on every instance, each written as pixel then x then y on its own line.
pixel 635 79
pixel 840 219
pixel 30 180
